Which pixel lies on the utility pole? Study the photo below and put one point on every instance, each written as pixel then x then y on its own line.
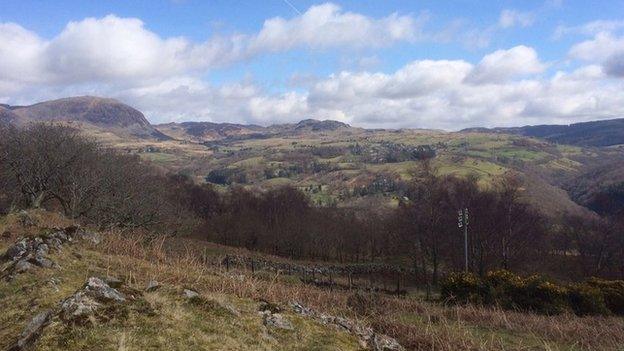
pixel 462 222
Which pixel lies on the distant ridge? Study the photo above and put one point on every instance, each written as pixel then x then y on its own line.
pixel 207 131
pixel 210 131
pixel 595 133
pixel 89 112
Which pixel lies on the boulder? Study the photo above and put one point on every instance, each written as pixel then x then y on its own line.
pixel 101 291
pixel 276 320
pixel 54 243
pixel 60 235
pixel 32 331
pixel 152 285
pixel 385 343
pixel 77 307
pixel 89 299
pixel 42 249
pixel 302 310
pixel 190 294
pixel 89 236
pixel 269 306
pixel 43 262
pixel 22 266
pixel 17 250
pixel 366 336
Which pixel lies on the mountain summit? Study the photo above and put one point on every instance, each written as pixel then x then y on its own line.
pixel 91 113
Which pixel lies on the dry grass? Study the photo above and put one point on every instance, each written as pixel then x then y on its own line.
pixel 161 320
pixel 419 325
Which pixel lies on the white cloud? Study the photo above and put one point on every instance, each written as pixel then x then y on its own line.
pixel 123 51
pixel 105 50
pixel 122 58
pixel 604 48
pixel 513 18
pixel 601 47
pixel 437 94
pixel 21 54
pixel 326 25
pixel 503 65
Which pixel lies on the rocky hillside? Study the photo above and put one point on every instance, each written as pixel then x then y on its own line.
pixel 88 113
pixel 208 131
pixel 62 289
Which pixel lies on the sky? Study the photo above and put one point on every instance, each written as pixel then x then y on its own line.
pixel 375 64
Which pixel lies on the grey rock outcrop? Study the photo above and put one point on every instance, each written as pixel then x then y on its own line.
pixel 366 335
pixel 276 320
pixel 28 253
pixel 32 331
pixel 87 301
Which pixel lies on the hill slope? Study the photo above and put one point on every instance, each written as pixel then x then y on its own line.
pixel 94 295
pixel 90 114
pixel 595 133
pixel 87 299
pixel 208 131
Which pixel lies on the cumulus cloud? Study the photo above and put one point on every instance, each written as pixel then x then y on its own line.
pixel 21 54
pixel 103 50
pixel 327 25
pixel 575 96
pixel 605 48
pixel 121 58
pixel 123 49
pixel 503 65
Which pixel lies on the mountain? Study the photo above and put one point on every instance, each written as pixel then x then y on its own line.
pixel 309 125
pixel 92 114
pixel 316 125
pixel 595 133
pixel 208 131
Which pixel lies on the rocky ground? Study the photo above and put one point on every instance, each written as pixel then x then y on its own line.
pixel 59 292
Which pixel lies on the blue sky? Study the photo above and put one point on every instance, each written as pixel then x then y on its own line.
pixel 419 64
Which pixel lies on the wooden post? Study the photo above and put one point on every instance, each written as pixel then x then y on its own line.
pixel 253 268
pixel 227 263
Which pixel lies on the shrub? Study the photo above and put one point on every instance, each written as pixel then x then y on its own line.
pixel 539 295
pixel 535 293
pixel 613 292
pixel 585 299
pixel 461 288
pixel 500 288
